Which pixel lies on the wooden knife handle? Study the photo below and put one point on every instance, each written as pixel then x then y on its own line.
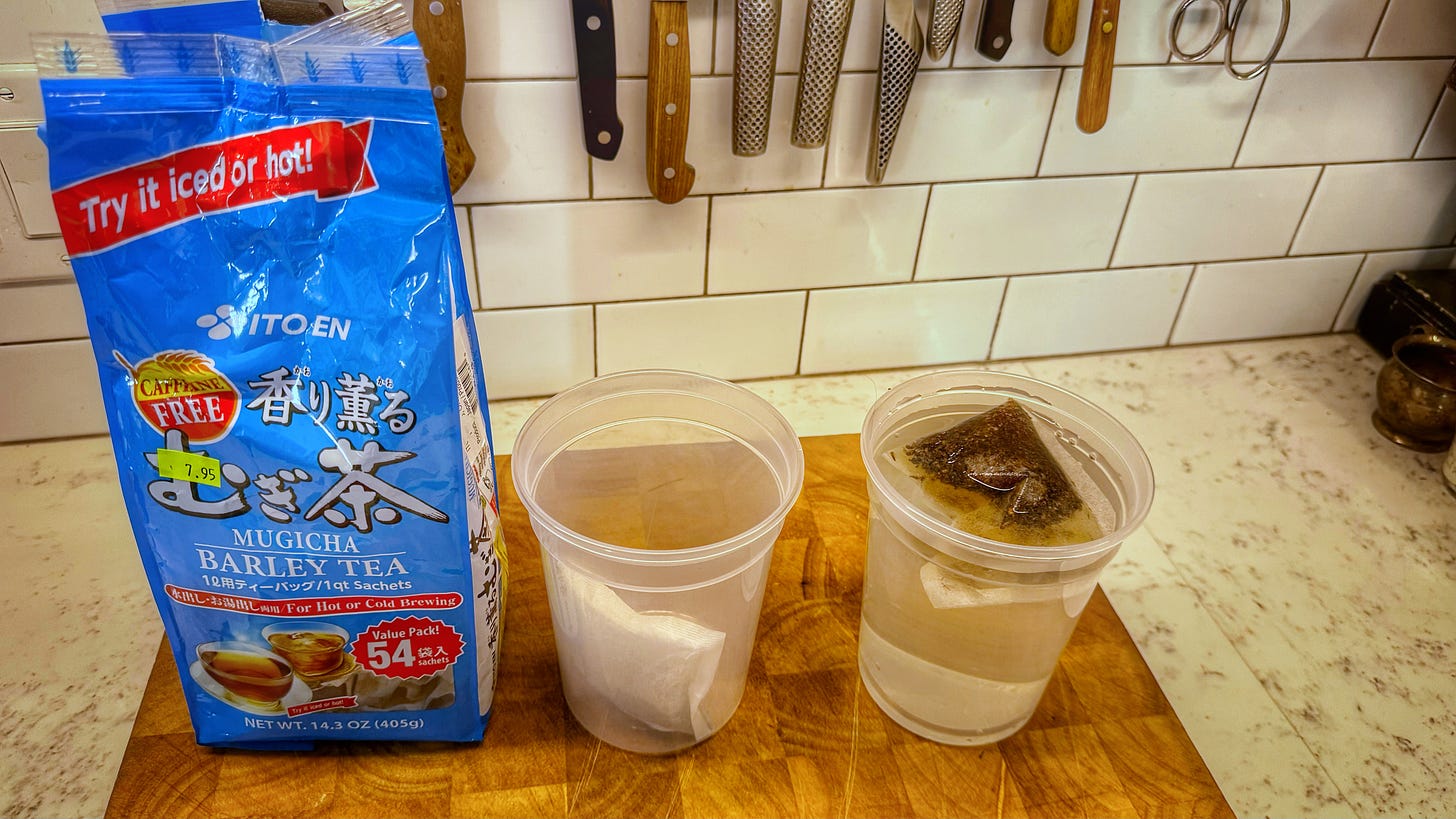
pixel 1097 67
pixel 440 25
pixel 669 73
pixel 1061 26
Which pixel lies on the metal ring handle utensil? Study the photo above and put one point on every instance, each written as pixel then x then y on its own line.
pixel 1225 32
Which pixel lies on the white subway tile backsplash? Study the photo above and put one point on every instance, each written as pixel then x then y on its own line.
pixel 38 312
pixel 539 351
pixel 23 159
pixel 1277 297
pixel 1142 37
pixel 1318 30
pixel 467 250
pixel 582 252
pixel 1213 215
pixel 899 325
pixel 508 38
pixel 1008 228
pixel 23 259
pixel 733 337
pixel 1318 112
pixel 958 125
pixel 1417 28
pixel 790 241
pixel 1160 118
pixel 1381 206
pixel 1379 265
pixel 710 145
pixel 69 405
pixel 1439 141
pixel 22 106
pixel 631 18
pixel 1082 312
pixel 527 141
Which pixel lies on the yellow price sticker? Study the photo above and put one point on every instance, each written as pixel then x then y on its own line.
pixel 189 467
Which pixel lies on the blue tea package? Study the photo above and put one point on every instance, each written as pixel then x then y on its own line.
pixel 273 283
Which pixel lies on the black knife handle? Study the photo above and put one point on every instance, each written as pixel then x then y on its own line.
pixel 994 37
pixel 596 76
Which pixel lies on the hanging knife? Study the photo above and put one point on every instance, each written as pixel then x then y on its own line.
pixel 755 54
pixel 901 44
pixel 440 25
pixel 669 77
pixel 826 26
pixel 1061 26
pixel 994 36
pixel 1096 91
pixel 945 23
pixel 596 76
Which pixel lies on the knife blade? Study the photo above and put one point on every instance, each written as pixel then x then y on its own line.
pixel 1061 26
pixel 994 36
pixel 901 45
pixel 1096 92
pixel 826 27
pixel 945 23
pixel 440 25
pixel 596 76
pixel 755 54
pixel 669 89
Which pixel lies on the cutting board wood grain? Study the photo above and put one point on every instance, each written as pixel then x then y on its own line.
pixel 807 740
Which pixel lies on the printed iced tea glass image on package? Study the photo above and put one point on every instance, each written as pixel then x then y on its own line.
pixel 657 497
pixel 995 502
pixel 248 677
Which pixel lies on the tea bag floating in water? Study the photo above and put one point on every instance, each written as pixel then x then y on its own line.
pixel 656 667
pixel 995 477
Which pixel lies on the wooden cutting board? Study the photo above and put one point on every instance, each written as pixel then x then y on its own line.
pixel 807 740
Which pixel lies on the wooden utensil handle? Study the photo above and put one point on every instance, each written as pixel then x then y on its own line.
pixel 440 25
pixel 1096 90
pixel 1061 26
pixel 669 176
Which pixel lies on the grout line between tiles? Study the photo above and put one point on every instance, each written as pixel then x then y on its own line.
pixel 1122 223
pixel 920 240
pixel 596 343
pixel 1308 203
pixel 967 181
pixel 1379 24
pixel 1253 111
pixel 803 336
pixel 1430 121
pixel 707 245
pixel 996 325
pixel 1349 291
pixel 1182 300
pixel 1046 135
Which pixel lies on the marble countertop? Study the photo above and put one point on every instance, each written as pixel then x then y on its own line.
pixel 1293 589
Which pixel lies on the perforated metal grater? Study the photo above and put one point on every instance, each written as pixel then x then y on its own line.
pixel 826 25
pixel 945 23
pixel 901 44
pixel 755 53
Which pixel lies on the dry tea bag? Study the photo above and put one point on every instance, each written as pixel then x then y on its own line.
pixel 656 667
pixel 993 476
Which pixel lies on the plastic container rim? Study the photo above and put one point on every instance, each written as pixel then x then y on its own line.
pixel 908 393
pixel 781 431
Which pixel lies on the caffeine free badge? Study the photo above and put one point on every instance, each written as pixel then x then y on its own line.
pixel 182 390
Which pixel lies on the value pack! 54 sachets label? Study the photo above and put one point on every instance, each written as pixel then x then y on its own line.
pixel 273 283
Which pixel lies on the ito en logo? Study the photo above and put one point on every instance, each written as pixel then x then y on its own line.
pixel 183 390
pixel 216 323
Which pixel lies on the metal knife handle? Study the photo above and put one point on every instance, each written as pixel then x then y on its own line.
pixel 440 26
pixel 596 76
pixel 1096 91
pixel 669 88
pixel 945 23
pixel 1061 26
pixel 826 26
pixel 994 37
pixel 901 45
pixel 755 53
